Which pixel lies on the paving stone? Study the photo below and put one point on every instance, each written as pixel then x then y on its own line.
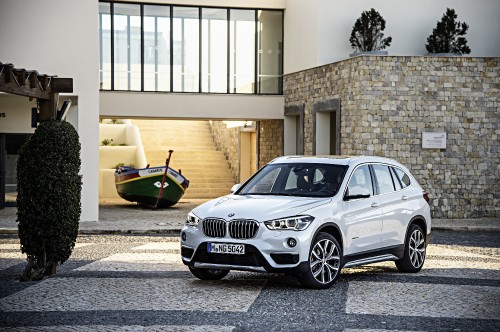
pixel 137 262
pixel 130 328
pixel 432 300
pixel 84 294
pixel 376 330
pixel 171 245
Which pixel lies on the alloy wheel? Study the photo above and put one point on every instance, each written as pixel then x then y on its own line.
pixel 417 248
pixel 324 261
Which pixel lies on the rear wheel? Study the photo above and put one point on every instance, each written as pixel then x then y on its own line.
pixel 414 254
pixel 208 274
pixel 324 262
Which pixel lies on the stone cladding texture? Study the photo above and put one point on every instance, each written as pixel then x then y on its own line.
pixel 270 142
pixel 388 101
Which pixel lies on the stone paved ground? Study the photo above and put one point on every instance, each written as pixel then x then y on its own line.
pixel 138 283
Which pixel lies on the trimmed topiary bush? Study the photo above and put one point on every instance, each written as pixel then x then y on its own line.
pixel 48 200
pixel 447 36
pixel 367 35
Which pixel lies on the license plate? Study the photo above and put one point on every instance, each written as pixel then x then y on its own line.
pixel 226 248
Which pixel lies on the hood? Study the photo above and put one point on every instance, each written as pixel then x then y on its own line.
pixel 257 207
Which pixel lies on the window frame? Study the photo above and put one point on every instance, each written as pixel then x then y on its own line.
pixel 372 179
pixel 256 89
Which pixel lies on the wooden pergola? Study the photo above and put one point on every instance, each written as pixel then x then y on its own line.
pixel 29 83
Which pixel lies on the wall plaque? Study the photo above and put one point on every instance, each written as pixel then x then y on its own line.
pixel 433 140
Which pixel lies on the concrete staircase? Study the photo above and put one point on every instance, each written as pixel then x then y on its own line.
pixel 195 154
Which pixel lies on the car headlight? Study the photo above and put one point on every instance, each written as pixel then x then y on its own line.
pixel 297 223
pixel 192 220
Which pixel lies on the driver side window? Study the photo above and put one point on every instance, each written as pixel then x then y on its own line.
pixel 361 178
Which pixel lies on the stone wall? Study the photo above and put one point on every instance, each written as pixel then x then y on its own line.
pixel 386 104
pixel 269 142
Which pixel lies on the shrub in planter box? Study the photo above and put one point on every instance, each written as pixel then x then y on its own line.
pixel 447 36
pixel 367 33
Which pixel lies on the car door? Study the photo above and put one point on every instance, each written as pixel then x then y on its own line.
pixel 394 205
pixel 363 216
pixel 398 208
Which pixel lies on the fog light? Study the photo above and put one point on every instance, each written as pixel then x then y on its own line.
pixel 291 242
pixel 183 236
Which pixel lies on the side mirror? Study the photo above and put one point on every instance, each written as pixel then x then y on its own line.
pixel 235 188
pixel 357 193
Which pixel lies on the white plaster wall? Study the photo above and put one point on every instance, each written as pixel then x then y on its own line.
pixel 322 133
pixel 17 114
pixel 60 37
pixel 190 106
pixel 290 132
pixel 329 23
pixel 300 38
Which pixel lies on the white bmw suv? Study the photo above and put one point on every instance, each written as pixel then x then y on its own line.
pixel 310 217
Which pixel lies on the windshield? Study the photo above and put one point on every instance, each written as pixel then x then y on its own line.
pixel 297 179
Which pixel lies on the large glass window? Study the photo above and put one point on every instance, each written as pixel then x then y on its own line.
pixel 127 47
pixel 104 46
pixel 186 43
pixel 270 60
pixel 214 50
pixel 242 51
pixel 168 48
pixel 156 48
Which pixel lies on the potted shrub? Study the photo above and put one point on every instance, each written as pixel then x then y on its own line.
pixel 447 38
pixel 367 35
pixel 48 200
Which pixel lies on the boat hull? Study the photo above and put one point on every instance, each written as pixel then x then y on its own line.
pixel 143 186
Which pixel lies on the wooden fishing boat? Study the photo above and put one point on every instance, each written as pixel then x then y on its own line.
pixel 143 185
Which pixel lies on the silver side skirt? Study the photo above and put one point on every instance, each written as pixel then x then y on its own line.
pixel 370 260
pixel 229 267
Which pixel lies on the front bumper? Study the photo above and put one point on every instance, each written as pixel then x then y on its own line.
pixel 268 251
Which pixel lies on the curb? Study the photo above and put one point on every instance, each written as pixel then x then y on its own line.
pixel 176 232
pixel 466 228
pixel 170 232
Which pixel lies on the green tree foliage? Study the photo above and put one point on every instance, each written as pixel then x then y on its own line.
pixel 48 201
pixel 447 36
pixel 367 32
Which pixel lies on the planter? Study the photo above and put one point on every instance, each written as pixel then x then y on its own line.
pixel 444 54
pixel 369 53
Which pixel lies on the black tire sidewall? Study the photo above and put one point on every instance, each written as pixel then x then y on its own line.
pixel 404 264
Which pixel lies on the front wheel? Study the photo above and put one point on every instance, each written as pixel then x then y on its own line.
pixel 208 274
pixel 324 262
pixel 414 253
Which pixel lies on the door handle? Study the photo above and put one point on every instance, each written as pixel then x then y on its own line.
pixel 375 205
pixel 404 198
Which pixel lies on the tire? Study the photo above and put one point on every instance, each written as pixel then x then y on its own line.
pixel 414 253
pixel 324 263
pixel 208 274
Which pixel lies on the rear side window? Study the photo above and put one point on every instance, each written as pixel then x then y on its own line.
pixel 396 180
pixel 403 177
pixel 384 179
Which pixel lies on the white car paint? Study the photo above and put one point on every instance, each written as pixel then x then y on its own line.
pixel 365 224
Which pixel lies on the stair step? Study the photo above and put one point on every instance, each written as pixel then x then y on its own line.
pixel 195 153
